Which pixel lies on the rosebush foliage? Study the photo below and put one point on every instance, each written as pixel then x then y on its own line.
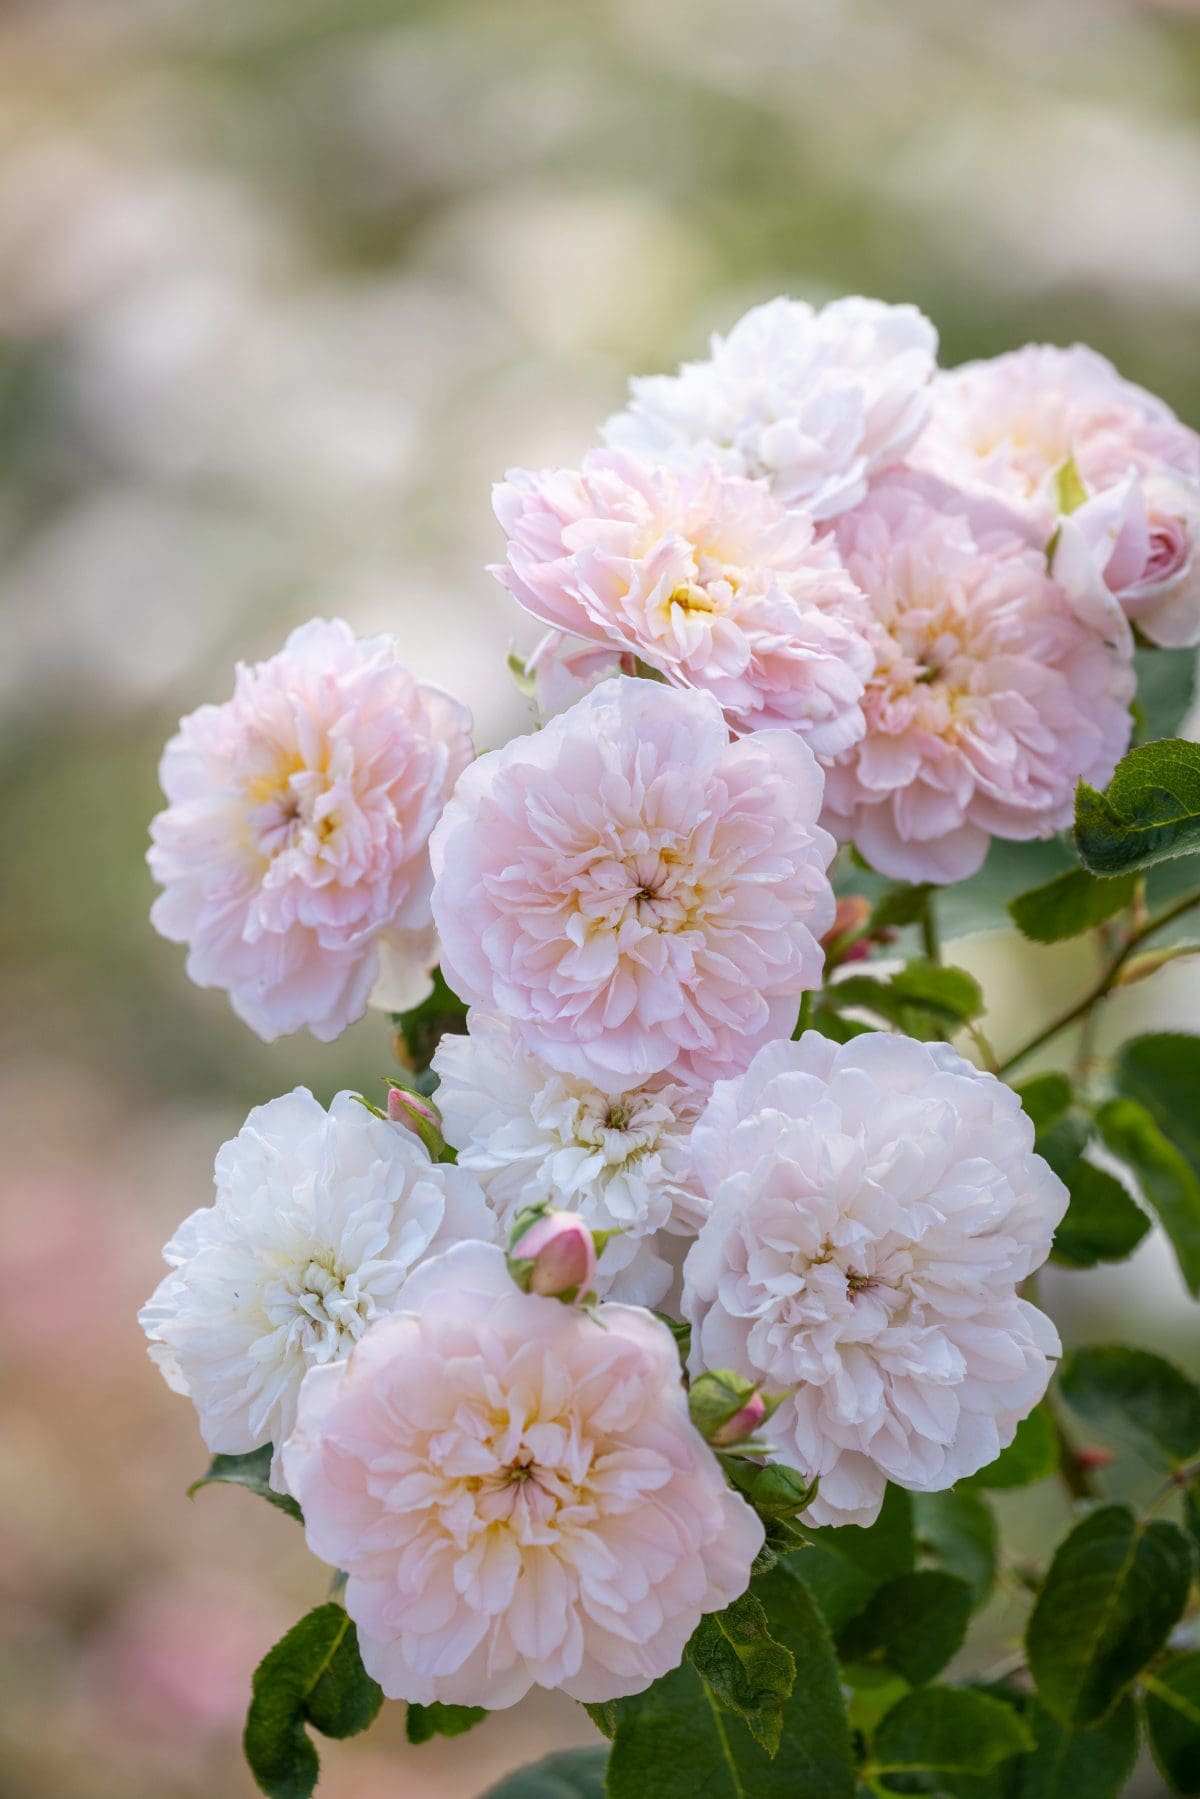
pixel 839 1671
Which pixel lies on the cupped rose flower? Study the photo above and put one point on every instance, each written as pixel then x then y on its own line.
pixel 1105 470
pixel 516 1493
pixel 1135 550
pixel 293 852
pixel 1014 422
pixel 701 574
pixel 875 1207
pixel 319 1219
pixel 633 891
pixel 814 401
pixel 620 1157
pixel 993 696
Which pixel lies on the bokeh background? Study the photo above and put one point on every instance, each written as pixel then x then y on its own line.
pixel 284 285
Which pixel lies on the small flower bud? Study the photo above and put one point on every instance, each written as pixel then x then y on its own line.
pixel 743 1424
pixel 555 1256
pixel 418 1115
pixel 845 940
pixel 1091 1456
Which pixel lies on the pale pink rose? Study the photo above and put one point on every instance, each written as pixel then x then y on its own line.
pixel 703 576
pixel 1012 422
pixel 516 1492
pixel 632 890
pixel 993 697
pixel 1102 468
pixel 294 849
pixel 1134 550
pixel 815 402
pixel 875 1207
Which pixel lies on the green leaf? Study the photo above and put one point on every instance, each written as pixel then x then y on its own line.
pixel 313 1675
pixel 424 1722
pixel 1070 904
pixel 675 1741
pixel 741 1663
pixel 1166 686
pixel 1102 1224
pixel 948 1729
pixel 1114 1590
pixel 1136 1397
pixel 1045 1098
pixel 603 1714
pixel 843 1565
pixel 1173 1721
pixel 873 1693
pixel 1149 812
pixel 1162 1072
pixel 1032 1455
pixel 959 1528
pixel 252 1472
pixel 1165 1178
pixel 917 995
pixel 899 906
pixel 423 1027
pixel 914 1622
pixel 567 1774
pixel 1079 1764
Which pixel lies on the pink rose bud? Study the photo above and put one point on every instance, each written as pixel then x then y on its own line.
pixel 743 1424
pixel 418 1115
pixel 559 1245
pixel 850 920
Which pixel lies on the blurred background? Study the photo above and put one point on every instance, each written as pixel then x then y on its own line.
pixel 284 285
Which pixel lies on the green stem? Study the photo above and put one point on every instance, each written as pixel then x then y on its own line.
pixel 1107 981
pixel 929 931
pixel 1074 1476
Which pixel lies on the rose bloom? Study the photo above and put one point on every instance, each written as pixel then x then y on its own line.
pixel 1134 550
pixel 633 891
pixel 875 1207
pixel 516 1492
pixel 814 401
pixel 1025 423
pixel 702 575
pixel 992 698
pixel 318 1221
pixel 619 1158
pixel 293 852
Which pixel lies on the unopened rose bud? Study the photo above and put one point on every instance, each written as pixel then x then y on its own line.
pixel 418 1115
pixel 844 941
pixel 743 1424
pixel 1093 1457
pixel 555 1257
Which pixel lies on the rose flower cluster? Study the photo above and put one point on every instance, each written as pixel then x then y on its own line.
pixel 808 593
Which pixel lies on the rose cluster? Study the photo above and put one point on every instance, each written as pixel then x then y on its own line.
pixel 809 593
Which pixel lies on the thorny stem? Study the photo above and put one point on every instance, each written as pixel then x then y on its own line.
pixel 1107 981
